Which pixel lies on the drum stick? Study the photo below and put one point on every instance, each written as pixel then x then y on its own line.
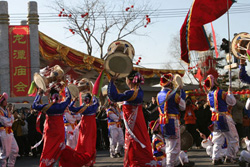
pixel 198 130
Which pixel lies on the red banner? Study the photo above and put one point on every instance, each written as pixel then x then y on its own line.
pixel 19 55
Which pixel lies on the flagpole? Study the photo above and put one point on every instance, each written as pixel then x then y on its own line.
pixel 228 27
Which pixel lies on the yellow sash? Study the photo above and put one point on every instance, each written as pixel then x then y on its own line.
pixel 86 106
pixel 134 94
pixel 45 109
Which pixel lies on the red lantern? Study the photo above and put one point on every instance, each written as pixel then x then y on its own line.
pixel 242 92
pixel 70 15
pixel 132 6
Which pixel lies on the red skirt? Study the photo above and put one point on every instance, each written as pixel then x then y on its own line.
pixel 54 137
pixel 135 155
pixel 85 151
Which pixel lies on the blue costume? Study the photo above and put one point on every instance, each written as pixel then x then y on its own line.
pixel 169 121
pixel 157 145
pixel 223 124
pixel 169 111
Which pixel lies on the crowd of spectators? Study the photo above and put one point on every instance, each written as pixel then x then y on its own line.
pixel 25 130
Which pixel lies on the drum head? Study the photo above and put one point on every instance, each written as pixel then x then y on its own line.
pixel 240 41
pixel 243 145
pixel 118 63
pixel 178 80
pixel 39 81
pixel 85 86
pixel 123 47
pixel 186 140
pixel 182 129
pixel 74 91
pixel 58 71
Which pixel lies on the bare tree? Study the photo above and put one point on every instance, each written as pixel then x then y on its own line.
pixel 94 20
pixel 175 51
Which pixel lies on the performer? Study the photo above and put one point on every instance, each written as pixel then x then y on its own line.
pixel 9 148
pixel 137 142
pixel 244 77
pixel 170 102
pixel 208 145
pixel 245 154
pixel 116 137
pixel 159 147
pixel 54 133
pixel 223 124
pixel 85 151
pixel 70 122
pixel 190 121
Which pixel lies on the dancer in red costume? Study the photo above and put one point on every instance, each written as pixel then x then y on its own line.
pixel 54 134
pixel 85 151
pixel 138 150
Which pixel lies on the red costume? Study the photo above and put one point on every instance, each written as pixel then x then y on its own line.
pixel 85 151
pixel 54 133
pixel 138 150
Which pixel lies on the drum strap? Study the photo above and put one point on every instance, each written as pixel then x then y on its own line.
pixel 216 106
pixel 85 107
pixel 45 109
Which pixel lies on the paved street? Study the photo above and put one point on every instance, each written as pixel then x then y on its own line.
pixel 198 156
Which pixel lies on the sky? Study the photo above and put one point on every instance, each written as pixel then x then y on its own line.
pixel 155 47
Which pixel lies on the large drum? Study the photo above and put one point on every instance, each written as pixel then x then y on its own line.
pixel 74 90
pixel 119 58
pixel 53 74
pixel 177 81
pixel 84 86
pixel 241 45
pixel 186 138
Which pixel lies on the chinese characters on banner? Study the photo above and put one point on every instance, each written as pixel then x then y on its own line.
pixel 19 55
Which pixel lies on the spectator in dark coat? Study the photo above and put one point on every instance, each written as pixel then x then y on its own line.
pixel 33 135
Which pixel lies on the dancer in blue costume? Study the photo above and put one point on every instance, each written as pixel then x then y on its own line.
pixel 170 102
pixel 223 125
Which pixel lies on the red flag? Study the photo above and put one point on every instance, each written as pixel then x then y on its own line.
pixel 199 75
pixel 215 43
pixel 192 34
pixel 98 84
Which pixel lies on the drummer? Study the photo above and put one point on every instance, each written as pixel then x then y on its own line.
pixel 223 124
pixel 54 125
pixel 159 147
pixel 170 102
